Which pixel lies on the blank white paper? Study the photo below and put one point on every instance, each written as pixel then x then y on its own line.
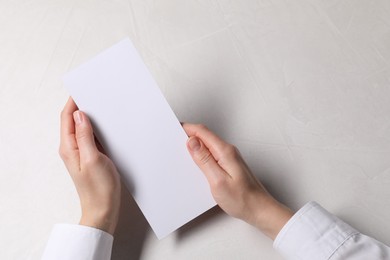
pixel 142 136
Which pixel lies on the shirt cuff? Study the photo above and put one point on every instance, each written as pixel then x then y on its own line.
pixel 69 241
pixel 312 233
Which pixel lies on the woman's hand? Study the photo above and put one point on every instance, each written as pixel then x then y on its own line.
pixel 93 173
pixel 232 184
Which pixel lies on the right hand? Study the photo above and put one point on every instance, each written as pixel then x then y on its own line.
pixel 232 184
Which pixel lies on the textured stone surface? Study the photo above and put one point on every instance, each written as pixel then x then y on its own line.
pixel 301 87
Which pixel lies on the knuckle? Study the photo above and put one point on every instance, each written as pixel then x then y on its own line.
pixel 219 183
pixel 82 133
pixel 205 157
pixel 202 127
pixel 92 160
pixel 230 151
pixel 63 153
pixel 63 114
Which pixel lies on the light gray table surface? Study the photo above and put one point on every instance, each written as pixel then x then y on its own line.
pixel 301 87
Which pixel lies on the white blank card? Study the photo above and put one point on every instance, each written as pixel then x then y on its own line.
pixel 142 136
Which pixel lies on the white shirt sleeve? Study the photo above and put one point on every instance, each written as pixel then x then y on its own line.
pixel 314 233
pixel 77 242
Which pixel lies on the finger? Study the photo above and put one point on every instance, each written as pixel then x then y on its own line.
pixel 68 145
pixel 205 161
pixel 85 138
pixel 218 147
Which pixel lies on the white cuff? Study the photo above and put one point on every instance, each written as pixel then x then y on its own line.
pixel 72 242
pixel 312 233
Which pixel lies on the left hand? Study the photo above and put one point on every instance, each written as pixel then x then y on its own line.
pixel 96 179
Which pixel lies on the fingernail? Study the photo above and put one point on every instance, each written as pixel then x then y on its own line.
pixel 78 117
pixel 194 144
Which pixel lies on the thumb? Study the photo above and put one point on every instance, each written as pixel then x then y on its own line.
pixel 205 161
pixel 84 137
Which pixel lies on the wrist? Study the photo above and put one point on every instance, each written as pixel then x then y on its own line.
pixel 270 216
pixel 106 220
